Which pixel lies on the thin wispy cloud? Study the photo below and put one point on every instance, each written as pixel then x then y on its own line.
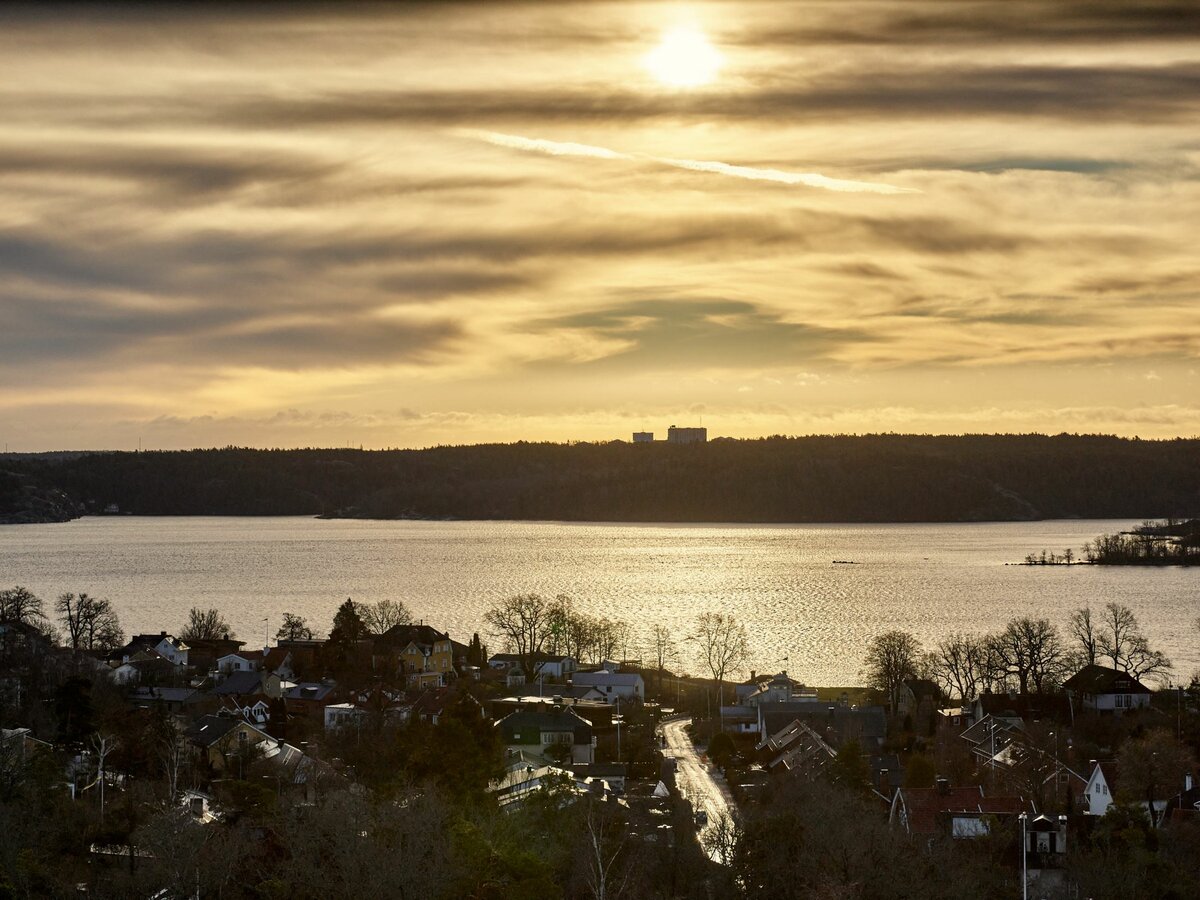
pixel 750 173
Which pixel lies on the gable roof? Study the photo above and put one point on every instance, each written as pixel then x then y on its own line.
pixel 207 730
pixel 240 683
pixel 924 807
pixel 552 719
pixel 308 690
pixel 835 723
pixel 403 635
pixel 1092 679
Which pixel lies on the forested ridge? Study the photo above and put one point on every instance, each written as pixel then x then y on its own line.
pixel 873 478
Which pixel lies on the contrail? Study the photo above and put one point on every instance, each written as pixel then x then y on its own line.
pixel 561 148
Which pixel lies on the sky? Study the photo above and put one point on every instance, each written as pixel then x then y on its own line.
pixel 446 223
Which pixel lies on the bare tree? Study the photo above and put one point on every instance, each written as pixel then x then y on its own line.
pixel 1085 632
pixel 1143 662
pixel 18 604
pixel 1031 650
pixel 958 663
pixel 103 746
pixel 720 839
pixel 91 622
pixel 603 850
pixel 892 657
pixel 173 754
pixel 294 628
pixel 522 623
pixel 1124 644
pixel 205 625
pixel 379 617
pixel 662 650
pixel 722 645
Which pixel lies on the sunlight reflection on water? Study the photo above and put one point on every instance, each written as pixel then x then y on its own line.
pixel 781 580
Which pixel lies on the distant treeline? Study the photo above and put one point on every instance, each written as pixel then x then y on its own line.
pixel 874 478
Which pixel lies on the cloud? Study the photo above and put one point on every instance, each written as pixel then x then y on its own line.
pixel 700 334
pixel 807 179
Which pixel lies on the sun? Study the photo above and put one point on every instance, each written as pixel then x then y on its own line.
pixel 684 58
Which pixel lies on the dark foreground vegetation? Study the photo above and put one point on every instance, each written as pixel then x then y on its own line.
pixel 896 478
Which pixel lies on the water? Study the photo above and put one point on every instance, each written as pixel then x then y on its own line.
pixel 779 579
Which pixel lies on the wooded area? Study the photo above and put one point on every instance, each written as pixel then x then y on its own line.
pixel 873 478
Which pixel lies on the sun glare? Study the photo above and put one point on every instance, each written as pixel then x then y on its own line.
pixel 684 58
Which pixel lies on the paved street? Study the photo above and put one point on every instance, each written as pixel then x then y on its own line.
pixel 695 778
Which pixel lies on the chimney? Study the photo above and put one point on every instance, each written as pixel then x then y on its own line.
pixel 884 787
pixel 1187 781
pixel 753 677
pixel 943 785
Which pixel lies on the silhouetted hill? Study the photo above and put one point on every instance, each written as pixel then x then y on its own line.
pixel 874 478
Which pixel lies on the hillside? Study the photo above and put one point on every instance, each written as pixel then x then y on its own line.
pixel 876 478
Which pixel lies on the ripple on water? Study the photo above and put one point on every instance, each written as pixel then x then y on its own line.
pixel 928 579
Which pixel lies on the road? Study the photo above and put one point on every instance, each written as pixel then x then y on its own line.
pixel 696 780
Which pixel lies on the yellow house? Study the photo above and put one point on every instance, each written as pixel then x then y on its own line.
pixel 427 657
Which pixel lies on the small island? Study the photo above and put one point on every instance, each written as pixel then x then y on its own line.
pixel 1171 542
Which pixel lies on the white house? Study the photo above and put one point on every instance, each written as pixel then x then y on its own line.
pixel 342 715
pixel 1106 690
pixel 1101 786
pixel 1098 795
pixel 548 665
pixel 165 645
pixel 626 685
pixel 242 661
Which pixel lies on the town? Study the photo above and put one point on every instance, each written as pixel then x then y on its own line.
pixel 555 753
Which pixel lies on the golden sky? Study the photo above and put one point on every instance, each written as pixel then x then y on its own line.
pixel 451 223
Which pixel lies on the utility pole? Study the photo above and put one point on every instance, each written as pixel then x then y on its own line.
pixel 1024 872
pixel 618 727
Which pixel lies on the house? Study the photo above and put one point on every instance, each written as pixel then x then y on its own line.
pixel 918 698
pixel 255 711
pixel 224 740
pixel 550 733
pixel 309 698
pixel 956 717
pixel 837 724
pixel 546 665
pixel 203 653
pixel 626 685
pixel 426 656
pixel 279 661
pixel 172 699
pixel 144 666
pixel 597 712
pixel 1106 691
pixel 343 715
pixel 306 656
pixel 433 704
pixel 241 661
pixel 991 735
pixel 1027 707
pixel 797 748
pixel 245 684
pixel 961 812
pixel 1184 806
pixel 165 645
pixel 1102 786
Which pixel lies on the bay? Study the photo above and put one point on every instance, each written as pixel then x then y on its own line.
pixel 804 612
